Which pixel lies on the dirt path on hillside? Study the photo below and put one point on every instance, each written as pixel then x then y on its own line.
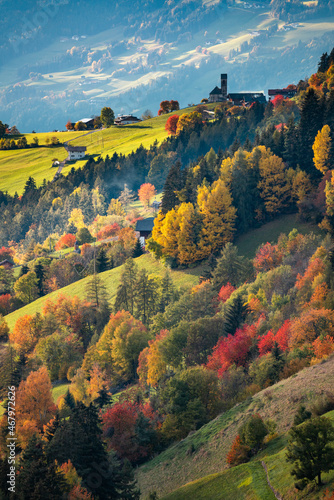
pixel 277 495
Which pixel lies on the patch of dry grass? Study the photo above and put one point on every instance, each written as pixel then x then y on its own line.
pixel 174 468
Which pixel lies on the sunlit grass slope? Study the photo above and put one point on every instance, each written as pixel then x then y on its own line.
pixel 203 453
pixel 110 280
pixel 18 164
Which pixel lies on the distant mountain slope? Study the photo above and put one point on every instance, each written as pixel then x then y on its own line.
pixel 71 63
pixel 177 466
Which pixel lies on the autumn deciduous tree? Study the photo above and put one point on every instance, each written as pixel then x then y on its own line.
pixel 171 124
pixel 26 287
pixel 277 101
pixel 225 292
pixel 153 359
pixel 34 404
pixel 108 231
pixel 66 241
pixel 26 333
pixel 218 217
pixel 311 450
pixel 189 122
pixel 267 257
pixel 167 106
pixel 310 325
pixel 69 125
pixel 119 346
pixel 125 423
pixel 146 193
pixel 323 346
pixel 321 149
pixel 232 350
pixel 274 187
pixel 239 453
pixel 5 303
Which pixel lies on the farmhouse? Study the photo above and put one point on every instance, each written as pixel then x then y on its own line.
pixel 89 122
pixel 244 98
pixel 289 92
pixel 126 120
pixel 144 228
pixel 75 152
pixel 6 264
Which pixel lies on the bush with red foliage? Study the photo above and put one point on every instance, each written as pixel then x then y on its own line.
pixel 108 231
pixel 231 350
pixel 122 427
pixel 267 341
pixel 267 257
pixel 5 304
pixel 66 241
pixel 277 101
pixel 226 292
pixel 6 253
pixel 239 453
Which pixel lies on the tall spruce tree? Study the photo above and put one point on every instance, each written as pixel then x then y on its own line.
pixel 126 291
pixel 39 478
pixel 145 297
pixel 79 439
pixel 173 183
pixel 311 121
pixel 96 292
pixel 102 262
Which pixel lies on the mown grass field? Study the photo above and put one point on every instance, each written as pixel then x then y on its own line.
pixel 19 164
pixel 110 279
pixel 175 467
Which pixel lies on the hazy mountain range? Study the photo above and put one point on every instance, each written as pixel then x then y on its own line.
pixel 67 59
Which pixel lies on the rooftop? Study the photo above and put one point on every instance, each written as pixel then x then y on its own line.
pixel 145 224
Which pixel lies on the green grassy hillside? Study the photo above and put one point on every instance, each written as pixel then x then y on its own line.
pixel 249 242
pixel 110 279
pixel 245 481
pixel 176 466
pixel 18 164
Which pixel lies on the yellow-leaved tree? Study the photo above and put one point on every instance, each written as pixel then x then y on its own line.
pixel 189 230
pixel 218 213
pixel 274 186
pixel 77 218
pixel 321 149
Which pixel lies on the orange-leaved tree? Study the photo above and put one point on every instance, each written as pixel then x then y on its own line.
pixel 146 192
pixel 66 241
pixel 34 404
pixel 26 333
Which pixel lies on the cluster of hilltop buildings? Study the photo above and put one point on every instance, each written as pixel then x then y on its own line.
pixel 246 98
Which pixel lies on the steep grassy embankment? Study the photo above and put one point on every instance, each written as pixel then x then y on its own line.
pixel 177 465
pixel 110 280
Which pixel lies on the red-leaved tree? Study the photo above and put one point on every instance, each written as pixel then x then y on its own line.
pixel 171 124
pixel 231 350
pixel 267 257
pixel 108 231
pixel 122 427
pixel 225 292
